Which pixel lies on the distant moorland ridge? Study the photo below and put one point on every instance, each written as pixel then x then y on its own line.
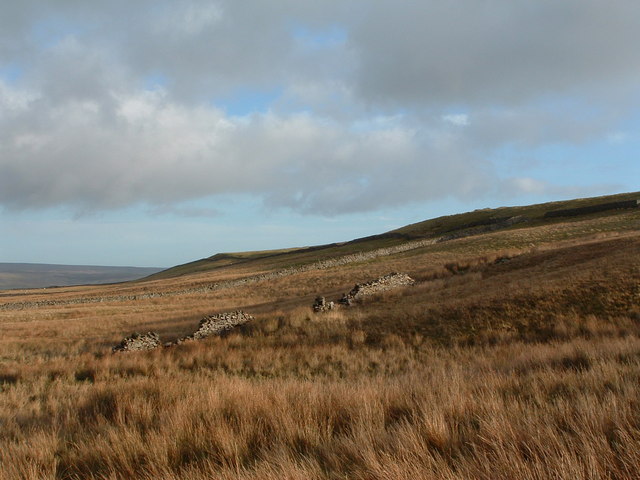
pixel 40 275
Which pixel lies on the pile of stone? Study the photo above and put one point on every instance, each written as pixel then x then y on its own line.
pixel 321 305
pixel 382 284
pixel 218 324
pixel 138 342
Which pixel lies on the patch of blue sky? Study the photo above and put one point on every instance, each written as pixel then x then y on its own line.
pixel 155 81
pixel 54 28
pixel 131 236
pixel 452 109
pixel 315 38
pixel 601 166
pixel 245 101
pixel 11 73
pixel 420 211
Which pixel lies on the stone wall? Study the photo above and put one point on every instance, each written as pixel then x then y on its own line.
pixel 321 305
pixel 138 342
pixel 382 284
pixel 322 264
pixel 319 265
pixel 217 324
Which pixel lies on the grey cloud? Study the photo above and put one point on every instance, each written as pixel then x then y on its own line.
pixel 155 151
pixel 430 53
pixel 517 186
pixel 185 211
pixel 500 51
pixel 81 128
pixel 531 127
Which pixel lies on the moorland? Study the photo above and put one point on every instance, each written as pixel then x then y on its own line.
pixel 41 275
pixel 515 355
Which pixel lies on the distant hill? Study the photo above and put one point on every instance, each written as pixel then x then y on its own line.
pixel 442 228
pixel 40 275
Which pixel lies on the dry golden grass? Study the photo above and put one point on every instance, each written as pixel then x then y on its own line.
pixel 214 410
pixel 505 361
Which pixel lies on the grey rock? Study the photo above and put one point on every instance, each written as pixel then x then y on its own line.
pixel 382 284
pixel 321 305
pixel 138 342
pixel 360 290
pixel 218 324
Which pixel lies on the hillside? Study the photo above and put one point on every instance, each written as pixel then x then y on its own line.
pixel 448 227
pixel 513 354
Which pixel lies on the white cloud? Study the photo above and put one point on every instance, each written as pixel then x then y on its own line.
pixel 457 119
pixel 14 99
pixel 364 119
pixel 528 185
pixel 494 52
pixel 146 148
pixel 195 18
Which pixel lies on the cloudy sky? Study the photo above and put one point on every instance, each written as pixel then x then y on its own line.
pixel 157 132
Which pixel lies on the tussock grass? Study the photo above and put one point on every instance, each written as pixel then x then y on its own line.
pixel 501 363
pixel 555 410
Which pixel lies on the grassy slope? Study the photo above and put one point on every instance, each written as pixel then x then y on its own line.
pixel 516 356
pixel 426 229
pixel 442 225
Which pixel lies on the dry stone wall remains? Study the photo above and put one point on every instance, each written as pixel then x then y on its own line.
pixel 218 324
pixel 210 325
pixel 321 305
pixel 320 265
pixel 361 290
pixel 138 342
pixel 382 284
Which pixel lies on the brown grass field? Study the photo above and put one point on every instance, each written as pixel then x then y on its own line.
pixel 515 356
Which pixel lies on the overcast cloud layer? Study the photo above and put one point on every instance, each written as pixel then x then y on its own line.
pixel 323 107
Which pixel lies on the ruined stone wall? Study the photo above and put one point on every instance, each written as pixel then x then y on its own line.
pixel 218 324
pixel 321 305
pixel 138 342
pixel 210 325
pixel 382 284
pixel 320 265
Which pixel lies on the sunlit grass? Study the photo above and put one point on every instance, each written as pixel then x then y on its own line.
pixel 507 360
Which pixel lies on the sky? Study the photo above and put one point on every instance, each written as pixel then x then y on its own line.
pixel 156 132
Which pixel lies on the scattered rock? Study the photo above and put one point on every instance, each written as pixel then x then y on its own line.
pixel 321 305
pixel 224 284
pixel 138 342
pixel 501 260
pixel 345 300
